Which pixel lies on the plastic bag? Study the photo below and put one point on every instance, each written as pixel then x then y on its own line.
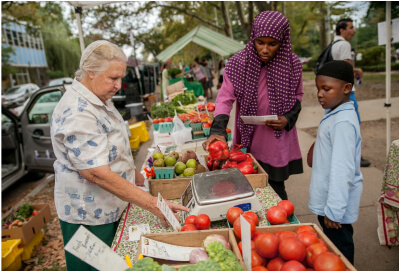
pixel 180 134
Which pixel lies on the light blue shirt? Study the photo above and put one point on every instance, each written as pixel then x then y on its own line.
pixel 337 183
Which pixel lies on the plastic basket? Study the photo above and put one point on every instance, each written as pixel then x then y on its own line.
pixel 134 142
pixel 156 126
pixel 28 249
pixel 198 136
pixel 228 136
pixel 187 124
pixel 292 220
pixel 11 255
pixel 164 172
pixel 244 150
pixel 196 126
pixel 165 127
pixel 206 131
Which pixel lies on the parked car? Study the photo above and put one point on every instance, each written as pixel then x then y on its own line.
pixel 17 95
pixel 60 81
pixel 26 143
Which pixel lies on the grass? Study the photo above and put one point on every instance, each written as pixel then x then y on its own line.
pixel 367 77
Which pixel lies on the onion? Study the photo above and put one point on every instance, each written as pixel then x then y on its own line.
pixel 216 237
pixel 197 255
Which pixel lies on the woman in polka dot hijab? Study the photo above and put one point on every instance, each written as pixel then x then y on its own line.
pixel 283 72
pixel 265 78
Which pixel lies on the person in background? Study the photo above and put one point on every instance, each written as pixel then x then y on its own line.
pixel 95 176
pixel 337 183
pixel 165 80
pixel 265 78
pixel 200 75
pixel 344 32
pixel 221 70
pixel 209 83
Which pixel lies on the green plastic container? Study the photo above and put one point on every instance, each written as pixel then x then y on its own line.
pixel 198 136
pixel 292 220
pixel 228 136
pixel 187 124
pixel 244 150
pixel 156 126
pixel 165 127
pixel 206 131
pixel 196 126
pixel 164 172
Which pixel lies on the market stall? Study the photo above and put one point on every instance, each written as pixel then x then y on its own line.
pixel 194 85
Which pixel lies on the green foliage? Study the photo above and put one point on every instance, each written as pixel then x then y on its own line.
pixel 185 99
pixel 145 264
pixel 173 72
pixel 24 211
pixel 202 266
pixel 372 56
pixel 56 74
pixel 164 110
pixel 6 68
pixel 380 68
pixel 225 258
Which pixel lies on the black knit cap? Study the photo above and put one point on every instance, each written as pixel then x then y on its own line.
pixel 338 69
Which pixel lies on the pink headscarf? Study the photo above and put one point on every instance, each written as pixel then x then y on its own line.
pixel 283 72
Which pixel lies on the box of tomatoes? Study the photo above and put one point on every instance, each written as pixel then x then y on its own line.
pixel 296 245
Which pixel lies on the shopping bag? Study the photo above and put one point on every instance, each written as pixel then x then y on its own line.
pixel 180 134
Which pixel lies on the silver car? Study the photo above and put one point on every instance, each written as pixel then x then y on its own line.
pixel 17 95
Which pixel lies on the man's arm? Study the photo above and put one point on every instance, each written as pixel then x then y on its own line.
pixel 356 71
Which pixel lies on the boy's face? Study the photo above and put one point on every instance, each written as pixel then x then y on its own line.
pixel 332 92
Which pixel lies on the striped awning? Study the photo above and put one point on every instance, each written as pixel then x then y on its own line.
pixel 204 37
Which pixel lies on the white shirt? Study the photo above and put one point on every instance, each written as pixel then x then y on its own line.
pixel 341 50
pixel 86 133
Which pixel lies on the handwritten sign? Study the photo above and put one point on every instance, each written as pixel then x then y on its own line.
pixel 90 249
pixel 167 212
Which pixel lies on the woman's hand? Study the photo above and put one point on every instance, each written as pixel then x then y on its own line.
pixel 153 208
pixel 211 139
pixel 139 178
pixel 331 224
pixel 278 124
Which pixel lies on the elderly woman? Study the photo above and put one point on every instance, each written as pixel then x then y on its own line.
pixel 265 78
pixel 95 175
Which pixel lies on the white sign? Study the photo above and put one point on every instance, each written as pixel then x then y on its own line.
pixel 257 120
pixel 167 212
pixel 246 242
pixel 382 36
pixel 136 231
pixel 90 249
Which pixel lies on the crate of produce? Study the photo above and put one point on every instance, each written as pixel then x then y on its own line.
pixel 165 127
pixel 207 131
pixel 293 227
pixel 198 134
pixel 164 172
pixel 187 124
pixel 11 255
pixel 188 239
pixel 196 126
pixel 156 126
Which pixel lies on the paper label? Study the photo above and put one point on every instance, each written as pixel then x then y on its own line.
pixel 136 231
pixel 167 212
pixel 160 250
pixel 246 242
pixel 201 161
pixel 90 249
pixel 257 120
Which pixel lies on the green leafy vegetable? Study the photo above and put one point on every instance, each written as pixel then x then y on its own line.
pixel 185 99
pixel 225 258
pixel 201 266
pixel 24 211
pixel 164 110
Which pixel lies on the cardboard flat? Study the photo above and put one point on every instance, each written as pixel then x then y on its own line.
pixel 30 229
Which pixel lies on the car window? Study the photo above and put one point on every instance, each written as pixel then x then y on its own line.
pixel 42 109
pixel 5 119
pixel 15 90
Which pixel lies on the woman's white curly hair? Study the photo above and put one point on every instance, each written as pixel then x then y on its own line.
pixel 96 57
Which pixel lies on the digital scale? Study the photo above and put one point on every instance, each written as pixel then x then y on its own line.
pixel 214 192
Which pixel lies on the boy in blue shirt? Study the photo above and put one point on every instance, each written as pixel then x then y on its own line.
pixel 337 183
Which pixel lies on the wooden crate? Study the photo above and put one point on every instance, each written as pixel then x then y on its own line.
pixel 174 188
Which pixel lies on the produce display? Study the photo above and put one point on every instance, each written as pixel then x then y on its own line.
pixel 193 223
pixel 165 110
pixel 20 217
pixel 184 99
pixel 290 250
pixel 281 213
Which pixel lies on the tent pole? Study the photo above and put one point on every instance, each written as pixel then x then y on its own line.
pixel 388 73
pixel 78 11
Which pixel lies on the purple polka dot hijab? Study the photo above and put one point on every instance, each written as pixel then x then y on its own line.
pixel 283 72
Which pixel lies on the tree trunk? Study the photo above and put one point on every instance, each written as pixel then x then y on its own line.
pixel 226 17
pixel 262 6
pixel 323 40
pixel 250 16
pixel 246 27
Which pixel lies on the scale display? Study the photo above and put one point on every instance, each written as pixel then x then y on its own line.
pixel 214 192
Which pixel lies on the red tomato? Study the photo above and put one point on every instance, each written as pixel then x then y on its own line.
pixel 259 268
pixel 308 238
pixel 275 264
pixel 206 125
pixel 253 216
pixel 322 242
pixel 203 222
pixel 276 215
pixel 256 260
pixel 233 213
pixel 161 120
pixel 189 227
pixel 237 227
pixel 35 212
pixel 304 228
pixel 292 249
pixel 240 246
pixel 256 235
pixel 313 251
pixel 281 235
pixel 228 130
pixel 210 122
pixel 155 121
pixel 293 266
pixel 266 245
pixel 328 261
pixel 191 219
pixel 287 206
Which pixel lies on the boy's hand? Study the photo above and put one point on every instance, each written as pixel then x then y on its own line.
pixel 331 224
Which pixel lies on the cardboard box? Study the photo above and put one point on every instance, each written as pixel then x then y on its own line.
pixel 189 239
pixel 174 188
pixel 293 227
pixel 30 229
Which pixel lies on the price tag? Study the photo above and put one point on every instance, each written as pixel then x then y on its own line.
pixel 90 249
pixel 167 212
pixel 136 231
pixel 198 112
pixel 246 242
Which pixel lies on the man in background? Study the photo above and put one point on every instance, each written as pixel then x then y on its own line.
pixel 342 50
